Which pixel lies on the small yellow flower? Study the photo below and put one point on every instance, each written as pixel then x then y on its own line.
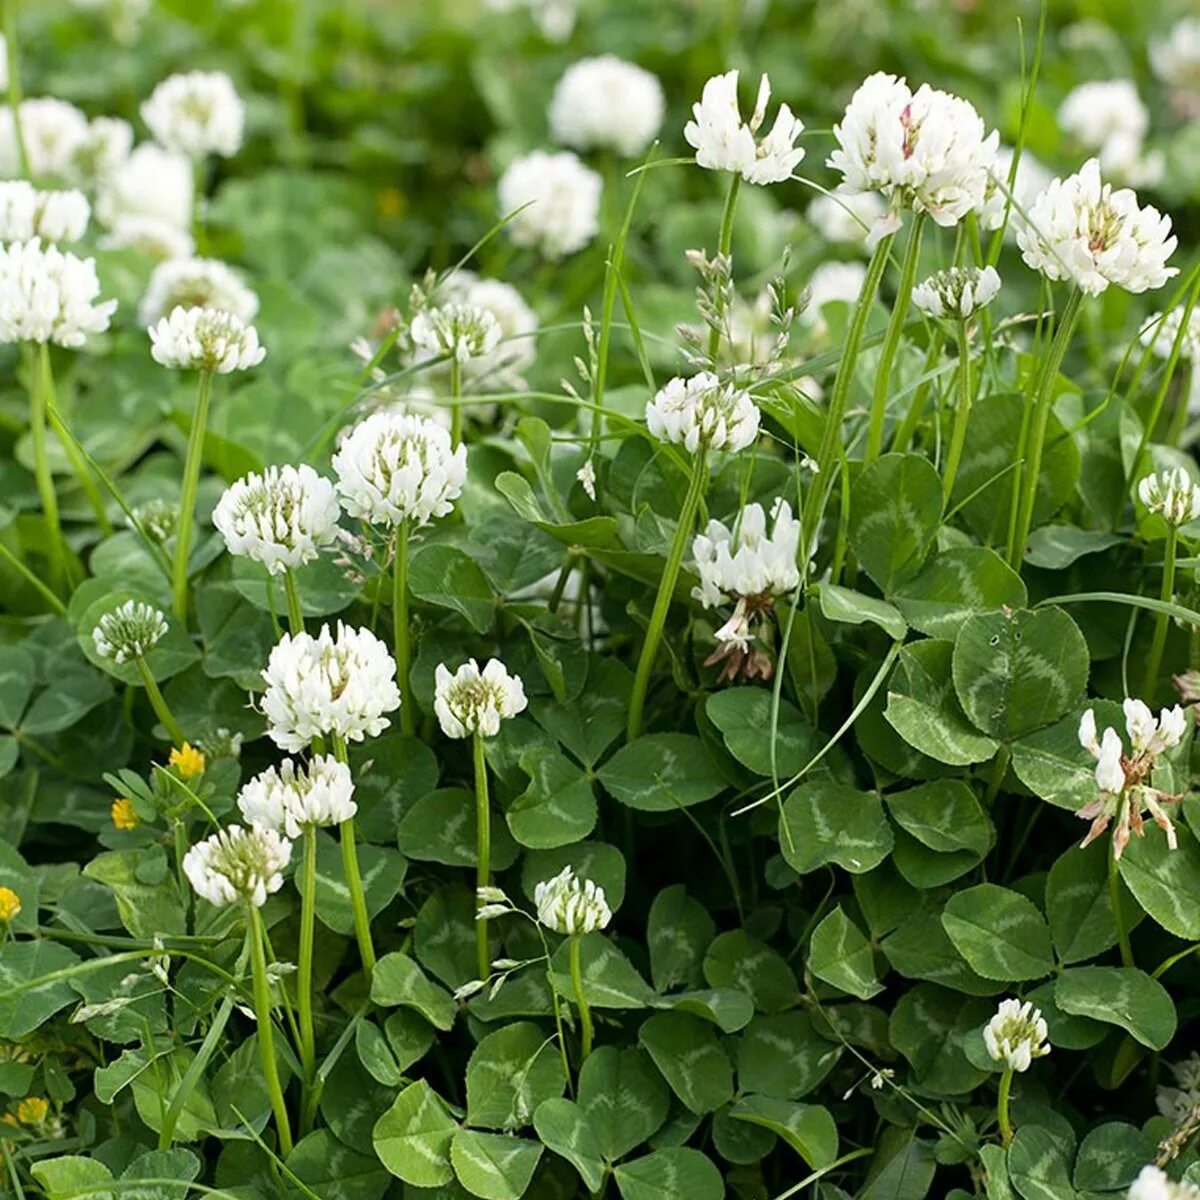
pixel 124 815
pixel 33 1110
pixel 10 904
pixel 187 760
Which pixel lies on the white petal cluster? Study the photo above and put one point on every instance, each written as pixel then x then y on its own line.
pixel 326 685
pixel 832 282
pixel 569 905
pixel 516 352
pixel 196 113
pixel 158 239
pixel 724 142
pixel 928 150
pixel 1172 495
pixel 559 199
pixel 130 631
pixel 1032 178
pixel 295 797
pixel 958 292
pixel 196 283
pixel 1176 61
pixel 205 339
pixel 845 217
pixel 396 467
pixel 746 561
pixel 1154 1184
pixel 1016 1035
pixel 1149 736
pixel 471 701
pixel 282 518
pixel 103 152
pixel 26 213
pixel 1108 118
pixel 461 331
pixel 1161 330
pixel 152 184
pixel 605 103
pixel 53 131
pixel 48 295
pixel 1082 230
pixel 703 412
pixel 238 864
pixel 1107 751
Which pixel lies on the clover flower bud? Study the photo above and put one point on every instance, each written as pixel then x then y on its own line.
pixel 1172 495
pixel 959 292
pixel 1016 1035
pixel 205 339
pixel 569 905
pixel 471 701
pixel 238 864
pixel 130 631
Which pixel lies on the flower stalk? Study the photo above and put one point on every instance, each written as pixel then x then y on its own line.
pixel 358 899
pixel 400 638
pixel 39 405
pixel 1161 620
pixel 191 481
pixel 1114 896
pixel 456 412
pixel 724 249
pixel 266 1034
pixel 585 1013
pixel 1002 1099
pixel 304 974
pixel 295 611
pixel 962 414
pixel 483 852
pixel 158 702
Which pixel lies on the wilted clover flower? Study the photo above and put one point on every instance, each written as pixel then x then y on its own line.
pixel 1016 1035
pixel 959 292
pixel 52 131
pixel 703 412
pixel 238 864
pixel 1171 495
pixel 294 797
pixel 47 295
pixel 396 467
pixel 462 331
pixel 282 518
pixel 605 103
pixel 130 631
pixel 569 905
pixel 196 283
pixel 205 339
pixel 559 202
pixel 1080 229
pixel 471 701
pixel 196 113
pixel 724 142
pixel 1154 1184
pixel 324 686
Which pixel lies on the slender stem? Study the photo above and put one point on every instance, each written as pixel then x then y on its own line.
pixel 891 344
pixel 1161 620
pixel 358 900
pixel 13 57
pixel 191 481
pixel 408 717
pixel 1114 896
pixel 304 974
pixel 38 410
pixel 585 1013
pixel 1179 415
pixel 157 702
pixel 456 412
pixel 962 414
pixel 179 839
pixel 662 602
pixel 1006 1129
pixel 483 853
pixel 724 248
pixel 33 581
pixel 294 609
pixel 916 410
pixel 266 1033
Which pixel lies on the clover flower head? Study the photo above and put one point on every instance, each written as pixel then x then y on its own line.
pixel 26 213
pixel 845 217
pixel 703 412
pixel 151 236
pixel 1108 118
pixel 958 292
pixel 1172 495
pixel 747 561
pixel 559 202
pixel 196 113
pixel 205 339
pixel 104 150
pixel 1016 1035
pixel 53 132
pixel 187 761
pixel 461 331
pixel 499 369
pixel 196 283
pixel 1154 1184
pixel 129 632
pixel 238 864
pixel 123 814
pixel 471 701
pixel 605 103
pixel 569 905
pixel 152 184
pixel 1176 61
pixel 282 518
pixel 49 295
pixel 294 797
pixel 159 518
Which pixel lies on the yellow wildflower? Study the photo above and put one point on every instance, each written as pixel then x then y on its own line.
pixel 123 814
pixel 187 761
pixel 10 904
pixel 33 1110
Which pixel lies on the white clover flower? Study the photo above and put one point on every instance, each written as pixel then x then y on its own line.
pixel 47 295
pixel 958 292
pixel 1148 736
pixel 52 216
pixel 1031 179
pixel 18 207
pixel 501 367
pixel 569 905
pixel 845 217
pixel 1179 1100
pixel 832 282
pixel 159 239
pixel 746 561
pixel 1172 495
pixel 462 331
pixel 1176 61
pixel 130 631
pixel 1109 119
pixel 205 339
pixel 322 686
pixel 605 103
pixel 399 467
pixel 282 518
pixel 703 412
pixel 724 142
pixel 294 797
pixel 196 283
pixel 103 152
pixel 559 199
pixel 238 864
pixel 1016 1035
pixel 1154 1184
pixel 1160 330
pixel 1080 229
pixel 196 113
pixel 472 701
pixel 927 150
pixel 152 183
pixel 53 131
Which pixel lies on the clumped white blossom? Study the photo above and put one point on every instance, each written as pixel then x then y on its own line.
pixel 958 292
pixel 53 131
pixel 238 864
pixel 1016 1035
pixel 845 217
pixel 102 153
pixel 1179 1100
pixel 1172 495
pixel 569 905
pixel 26 213
pixel 49 295
pixel 1176 61
pixel 282 518
pixel 605 103
pixel 559 202
pixel 151 236
pixel 130 631
pixel 1154 1184
pixel 152 184
pixel 1080 229
pixel 205 339
pixel 703 412
pixel 196 283
pixel 328 686
pixel 196 113
pixel 295 796
pixel 724 142
pixel 1108 118
pixel 471 701
pixel 500 368
pixel 461 331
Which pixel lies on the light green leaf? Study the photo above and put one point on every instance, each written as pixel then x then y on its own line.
pixel 824 822
pixel 686 1050
pixel 509 1074
pixel 412 1139
pixel 896 508
pixel 999 932
pixel 1121 996
pixel 661 772
pixel 674 1173
pixel 840 955
pixel 398 981
pixel 493 1166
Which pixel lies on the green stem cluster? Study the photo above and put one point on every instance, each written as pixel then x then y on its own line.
pixel 358 899
pixel 191 481
pixel 1161 620
pixel 962 414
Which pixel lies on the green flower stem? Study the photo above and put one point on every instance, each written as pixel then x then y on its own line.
pixel 1030 452
pixel 585 1013
pixel 304 973
pixel 1179 415
pixel 157 702
pixel 358 900
pixel 1161 620
pixel 1006 1129
pixel 34 582
pixel 1114 896
pixel 456 412
pixel 291 591
pixel 266 1033
pixel 916 410
pixel 39 404
pixel 191 481
pixel 483 855
pixel 179 838
pixel 891 344
pixel 962 414
pixel 408 723
pixel 724 248
pixel 662 601
pixel 14 82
